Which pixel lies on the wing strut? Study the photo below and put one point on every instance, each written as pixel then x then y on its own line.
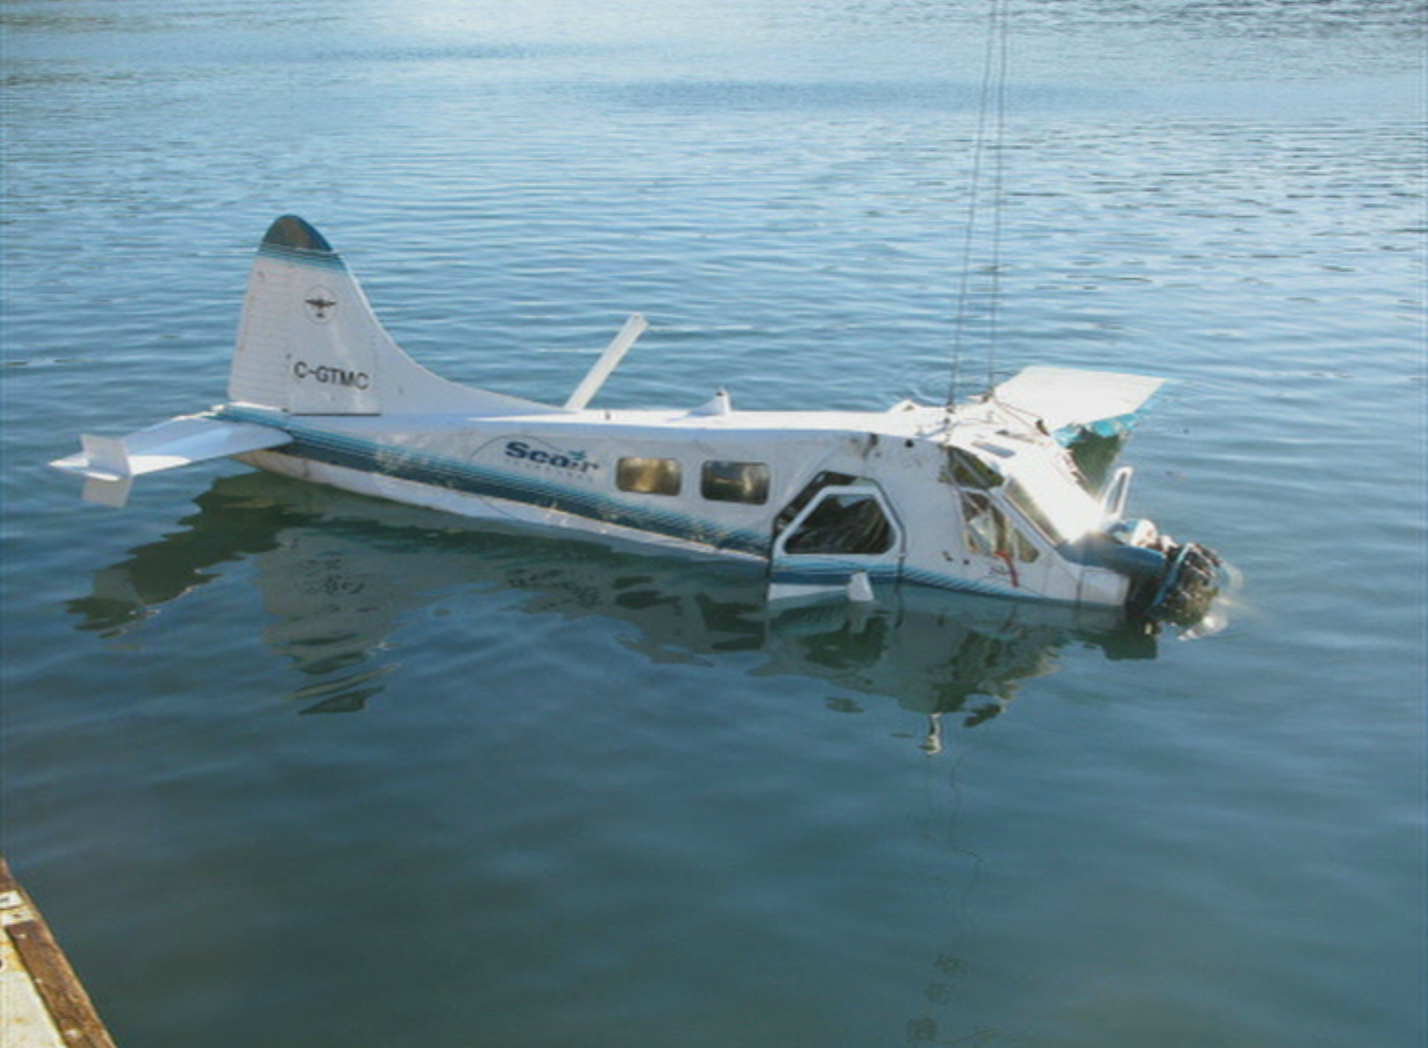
pixel 609 360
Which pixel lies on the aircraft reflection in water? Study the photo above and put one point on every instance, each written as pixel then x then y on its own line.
pixel 338 572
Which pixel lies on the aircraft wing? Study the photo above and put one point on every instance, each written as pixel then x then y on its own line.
pixel 110 464
pixel 1073 403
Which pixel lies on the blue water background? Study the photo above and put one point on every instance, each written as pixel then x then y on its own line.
pixel 286 767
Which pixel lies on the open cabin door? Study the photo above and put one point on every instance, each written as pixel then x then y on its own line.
pixel 846 538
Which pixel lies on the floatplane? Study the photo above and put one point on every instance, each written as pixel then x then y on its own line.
pixel 983 496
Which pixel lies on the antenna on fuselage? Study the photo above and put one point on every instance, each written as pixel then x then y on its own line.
pixel 609 360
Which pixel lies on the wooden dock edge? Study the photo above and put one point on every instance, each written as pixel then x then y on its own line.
pixel 44 1003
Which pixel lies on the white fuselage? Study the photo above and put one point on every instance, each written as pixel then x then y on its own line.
pixel 982 497
pixel 819 496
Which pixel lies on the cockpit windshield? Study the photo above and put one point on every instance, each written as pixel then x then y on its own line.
pixel 1059 508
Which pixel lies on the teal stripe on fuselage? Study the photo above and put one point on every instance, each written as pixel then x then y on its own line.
pixel 937 580
pixel 393 460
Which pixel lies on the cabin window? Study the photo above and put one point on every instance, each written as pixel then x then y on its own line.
pixel 843 523
pixel 825 479
pixel 648 476
pixel 988 532
pixel 735 482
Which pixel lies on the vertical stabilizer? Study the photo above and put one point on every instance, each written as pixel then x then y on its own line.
pixel 308 342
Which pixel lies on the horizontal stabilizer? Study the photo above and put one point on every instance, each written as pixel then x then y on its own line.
pixel 111 463
pixel 1072 403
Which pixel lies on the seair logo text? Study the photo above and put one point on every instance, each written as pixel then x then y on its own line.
pixel 330 376
pixel 571 460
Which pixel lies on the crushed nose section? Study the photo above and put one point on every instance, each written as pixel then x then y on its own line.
pixel 1169 581
pixel 1191 583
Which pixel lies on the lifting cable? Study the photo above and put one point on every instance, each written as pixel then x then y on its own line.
pixel 991 110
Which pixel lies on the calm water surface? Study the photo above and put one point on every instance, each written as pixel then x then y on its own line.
pixel 292 768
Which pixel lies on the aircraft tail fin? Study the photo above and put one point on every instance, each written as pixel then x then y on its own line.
pixel 309 342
